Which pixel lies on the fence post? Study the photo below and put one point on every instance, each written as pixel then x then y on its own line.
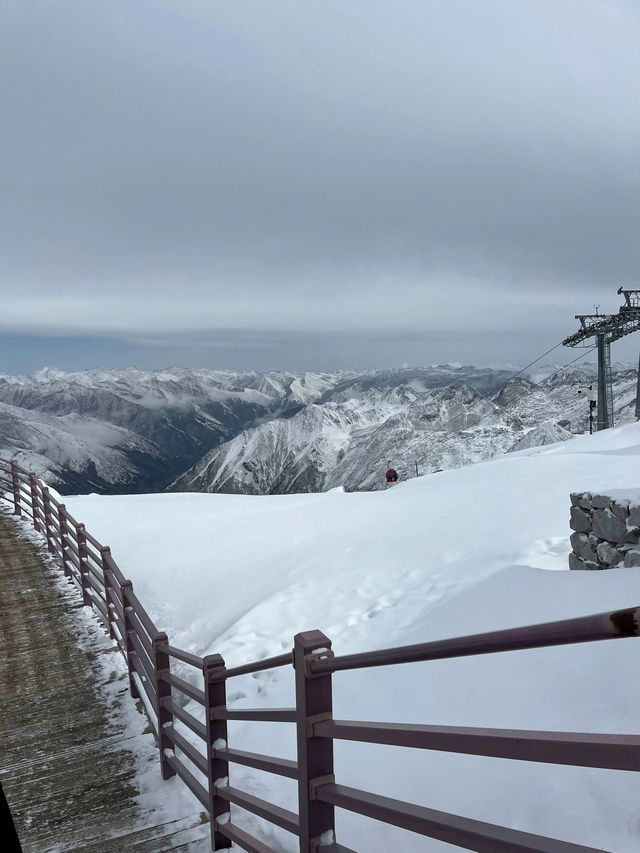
pixel 127 587
pixel 216 696
pixel 46 508
pixel 15 482
pixel 105 553
pixel 315 755
pixel 62 521
pixel 84 569
pixel 163 691
pixel 33 486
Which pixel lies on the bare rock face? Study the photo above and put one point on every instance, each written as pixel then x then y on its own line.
pixel 575 563
pixel 582 547
pixel 601 502
pixel 632 558
pixel 578 564
pixel 633 535
pixel 620 510
pixel 580 521
pixel 608 555
pixel 608 526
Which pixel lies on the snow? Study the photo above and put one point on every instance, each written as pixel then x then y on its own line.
pixel 43 442
pixel 473 549
pixel 279 432
pixel 136 429
pixel 547 433
pixel 628 497
pixel 348 437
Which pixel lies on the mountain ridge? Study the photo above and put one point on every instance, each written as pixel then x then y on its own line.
pixel 280 431
pixel 348 437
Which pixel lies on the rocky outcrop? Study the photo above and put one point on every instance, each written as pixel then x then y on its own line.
pixel 606 530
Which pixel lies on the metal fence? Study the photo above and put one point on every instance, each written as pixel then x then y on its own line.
pixel 148 654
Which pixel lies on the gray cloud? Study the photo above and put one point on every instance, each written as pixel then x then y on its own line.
pixel 422 167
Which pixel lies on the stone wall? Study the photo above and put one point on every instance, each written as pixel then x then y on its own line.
pixel 606 530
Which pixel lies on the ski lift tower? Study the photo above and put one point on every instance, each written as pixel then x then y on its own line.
pixel 607 328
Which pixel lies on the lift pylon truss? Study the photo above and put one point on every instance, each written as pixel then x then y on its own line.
pixel 607 328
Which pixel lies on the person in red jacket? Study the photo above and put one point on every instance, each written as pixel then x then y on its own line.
pixel 391 476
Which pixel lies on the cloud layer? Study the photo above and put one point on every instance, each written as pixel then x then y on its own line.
pixel 417 167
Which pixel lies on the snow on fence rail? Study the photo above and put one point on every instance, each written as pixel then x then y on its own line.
pixel 147 651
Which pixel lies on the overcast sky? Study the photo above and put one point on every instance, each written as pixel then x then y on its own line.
pixel 306 184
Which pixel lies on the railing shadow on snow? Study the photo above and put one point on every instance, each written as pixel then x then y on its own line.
pixel 148 653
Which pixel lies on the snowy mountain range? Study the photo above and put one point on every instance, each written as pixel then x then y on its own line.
pixel 348 437
pixel 265 433
pixel 133 430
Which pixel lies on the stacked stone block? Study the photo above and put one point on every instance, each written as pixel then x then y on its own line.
pixel 606 531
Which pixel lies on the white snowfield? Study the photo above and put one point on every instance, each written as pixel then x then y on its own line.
pixel 473 549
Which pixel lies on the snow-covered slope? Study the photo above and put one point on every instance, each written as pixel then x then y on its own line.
pixel 348 443
pixel 473 549
pixel 175 415
pixel 563 397
pixel 183 414
pixel 263 433
pixel 547 433
pixel 356 428
pixel 77 453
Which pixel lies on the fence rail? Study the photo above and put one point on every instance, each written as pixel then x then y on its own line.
pixel 90 566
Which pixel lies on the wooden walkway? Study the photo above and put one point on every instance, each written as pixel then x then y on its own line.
pixel 66 772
